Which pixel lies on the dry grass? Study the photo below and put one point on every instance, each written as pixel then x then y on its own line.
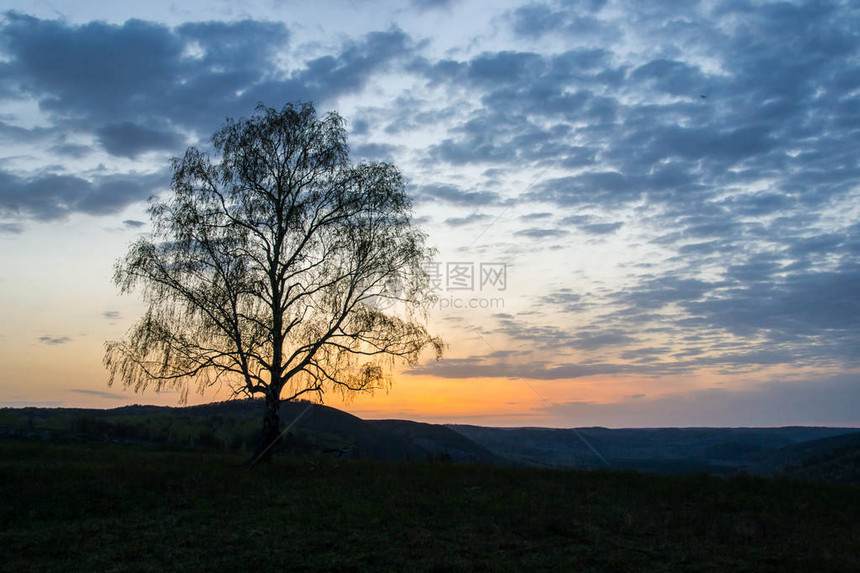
pixel 108 508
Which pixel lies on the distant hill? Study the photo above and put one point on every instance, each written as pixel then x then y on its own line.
pixel 312 429
pixel 835 458
pixel 442 442
pixel 656 450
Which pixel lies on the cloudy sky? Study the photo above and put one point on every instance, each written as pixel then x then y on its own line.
pixel 647 213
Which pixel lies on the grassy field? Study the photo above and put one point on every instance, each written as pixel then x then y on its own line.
pixel 77 507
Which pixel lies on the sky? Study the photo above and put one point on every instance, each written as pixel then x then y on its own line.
pixel 646 213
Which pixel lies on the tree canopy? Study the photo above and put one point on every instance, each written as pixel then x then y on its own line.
pixel 273 269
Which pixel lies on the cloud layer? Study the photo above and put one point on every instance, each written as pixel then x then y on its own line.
pixel 709 149
pixel 144 87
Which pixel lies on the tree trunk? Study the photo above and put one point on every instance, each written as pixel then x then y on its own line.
pixel 271 434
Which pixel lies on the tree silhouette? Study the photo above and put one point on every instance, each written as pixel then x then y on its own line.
pixel 269 270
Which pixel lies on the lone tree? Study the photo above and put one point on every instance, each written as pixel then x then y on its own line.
pixel 269 270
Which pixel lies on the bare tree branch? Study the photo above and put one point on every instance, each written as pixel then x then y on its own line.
pixel 263 268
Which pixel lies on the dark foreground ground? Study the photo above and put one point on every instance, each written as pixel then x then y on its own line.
pixel 99 507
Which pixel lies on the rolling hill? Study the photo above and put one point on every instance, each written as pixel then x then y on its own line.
pixel 313 429
pixel 835 458
pixel 659 450
pixel 234 425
